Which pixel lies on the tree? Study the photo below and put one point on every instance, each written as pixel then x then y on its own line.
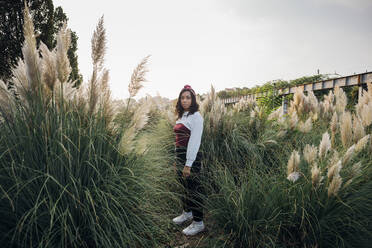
pixel 47 22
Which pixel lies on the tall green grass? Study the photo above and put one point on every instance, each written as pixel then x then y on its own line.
pixel 65 184
pixel 63 180
pixel 256 206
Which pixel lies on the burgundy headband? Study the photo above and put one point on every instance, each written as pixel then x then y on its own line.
pixel 188 87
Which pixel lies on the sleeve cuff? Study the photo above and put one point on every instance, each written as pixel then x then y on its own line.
pixel 189 163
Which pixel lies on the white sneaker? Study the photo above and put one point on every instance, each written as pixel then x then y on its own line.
pixel 185 216
pixel 194 228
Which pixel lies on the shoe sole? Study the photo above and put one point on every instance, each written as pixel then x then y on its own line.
pixel 202 231
pixel 180 223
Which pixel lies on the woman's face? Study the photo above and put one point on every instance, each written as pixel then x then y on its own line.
pixel 186 100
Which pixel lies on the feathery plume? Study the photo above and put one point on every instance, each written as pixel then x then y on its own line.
pixel 334 170
pixel 341 99
pixel 275 114
pixel 138 77
pixel 67 91
pixel 334 122
pixel 293 162
pixel 49 66
pixel 366 114
pixel 334 186
pixel 294 176
pixel 335 157
pixel 213 108
pixel 93 92
pixel 281 133
pixel 206 105
pixel 346 129
pixel 30 54
pixel 362 143
pixel 62 61
pixel 245 104
pixel 325 145
pixel 310 153
pixel 293 120
pixel 313 102
pixel 171 117
pixel 326 109
pixel 105 97
pixel 139 120
pixel 348 155
pixel 314 116
pixel 20 79
pixel 99 94
pixel 364 106
pixel 297 104
pixel 305 127
pixel 358 129
pixel 355 172
pixel 99 45
pixel 6 101
pixel 316 177
pixel 356 169
pixel 326 106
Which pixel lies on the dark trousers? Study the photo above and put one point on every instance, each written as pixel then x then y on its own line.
pixel 191 199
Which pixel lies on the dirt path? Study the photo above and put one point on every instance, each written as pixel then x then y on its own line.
pixel 183 241
pixel 203 239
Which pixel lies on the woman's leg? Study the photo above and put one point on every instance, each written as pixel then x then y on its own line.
pixel 181 160
pixel 191 199
pixel 195 190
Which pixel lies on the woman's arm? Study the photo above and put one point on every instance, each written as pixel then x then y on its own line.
pixel 196 124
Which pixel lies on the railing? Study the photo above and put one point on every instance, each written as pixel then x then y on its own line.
pixel 353 80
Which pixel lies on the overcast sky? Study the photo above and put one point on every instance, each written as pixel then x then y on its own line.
pixel 227 43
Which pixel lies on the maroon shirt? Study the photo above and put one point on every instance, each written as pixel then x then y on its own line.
pixel 182 134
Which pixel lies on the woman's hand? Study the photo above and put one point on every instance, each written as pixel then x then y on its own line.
pixel 186 171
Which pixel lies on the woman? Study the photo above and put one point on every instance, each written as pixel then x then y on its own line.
pixel 188 130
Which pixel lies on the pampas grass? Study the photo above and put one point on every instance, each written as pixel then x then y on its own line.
pixel 293 121
pixel 334 123
pixel 293 162
pixel 326 106
pixel 31 57
pixel 310 153
pixel 334 170
pixel 366 114
pixel 49 67
pixel 98 44
pixel 305 127
pixel 297 105
pixel 324 146
pixel 361 144
pixel 139 120
pixel 346 129
pixel 358 129
pixel 62 62
pixel 312 102
pixel 245 104
pixel 335 185
pixel 364 106
pixel 334 158
pixel 138 77
pixel 275 114
pixel 348 155
pixel 341 99
pixel 213 109
pixel 64 181
pixel 316 177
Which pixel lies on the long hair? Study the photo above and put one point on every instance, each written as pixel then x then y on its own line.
pixel 194 107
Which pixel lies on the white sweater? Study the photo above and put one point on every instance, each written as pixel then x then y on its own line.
pixel 194 122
